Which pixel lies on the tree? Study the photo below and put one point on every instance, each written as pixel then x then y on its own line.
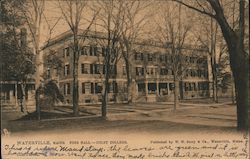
pixel 110 19
pixel 16 57
pixel 134 22
pixel 209 36
pixel 53 62
pixel 73 13
pixel 47 95
pixel 33 12
pixel 239 57
pixel 173 37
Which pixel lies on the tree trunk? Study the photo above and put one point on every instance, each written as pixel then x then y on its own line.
pixel 233 91
pixel 105 92
pixel 176 94
pixel 106 84
pixel 239 61
pixel 75 75
pixel 23 96
pixel 215 84
pixel 241 77
pixel 104 100
pixel 129 86
pixel 75 97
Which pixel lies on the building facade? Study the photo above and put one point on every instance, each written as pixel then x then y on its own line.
pixel 152 80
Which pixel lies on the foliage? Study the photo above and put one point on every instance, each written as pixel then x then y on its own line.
pixel 16 58
pixel 48 94
pixel 50 89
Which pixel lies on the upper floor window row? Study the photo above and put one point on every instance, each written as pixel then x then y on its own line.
pixel 168 58
pixel 93 50
pixel 90 50
pixel 97 69
pixel 197 73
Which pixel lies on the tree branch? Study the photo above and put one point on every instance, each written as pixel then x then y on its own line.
pixel 196 9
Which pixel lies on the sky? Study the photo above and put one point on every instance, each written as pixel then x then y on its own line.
pixel 53 19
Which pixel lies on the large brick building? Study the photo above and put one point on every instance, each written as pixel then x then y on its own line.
pixel 151 79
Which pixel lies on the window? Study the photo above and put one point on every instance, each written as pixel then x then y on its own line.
pixel 199 72
pixel 162 58
pixel 151 57
pixel 66 88
pixel 152 87
pixel 97 68
pixel 194 87
pixel 93 51
pixel 163 88
pixel 190 86
pixel 66 52
pixel 141 87
pixel 139 56
pixel 171 86
pixel 87 88
pixel 85 68
pixel 84 50
pixel 66 70
pixel 139 71
pixel 113 87
pixel 151 71
pixel 192 73
pixel 98 88
pixel 163 71
pixel 203 86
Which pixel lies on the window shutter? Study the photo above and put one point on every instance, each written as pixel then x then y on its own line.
pixel 91 68
pixel 103 70
pixel 64 89
pixel 82 69
pixel 92 88
pixel 83 88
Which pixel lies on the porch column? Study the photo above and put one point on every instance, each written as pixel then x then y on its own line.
pixel 168 88
pixel 157 88
pixel 146 89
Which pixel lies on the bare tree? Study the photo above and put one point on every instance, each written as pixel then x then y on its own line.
pixel 111 21
pixel 173 37
pixel 134 22
pixel 73 13
pixel 208 36
pixel 239 57
pixel 33 13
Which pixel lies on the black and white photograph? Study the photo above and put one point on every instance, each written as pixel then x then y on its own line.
pixel 124 79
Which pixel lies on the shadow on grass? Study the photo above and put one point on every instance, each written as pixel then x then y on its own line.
pixel 44 115
pixel 50 115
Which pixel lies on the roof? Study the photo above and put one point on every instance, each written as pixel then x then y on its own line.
pixel 102 35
